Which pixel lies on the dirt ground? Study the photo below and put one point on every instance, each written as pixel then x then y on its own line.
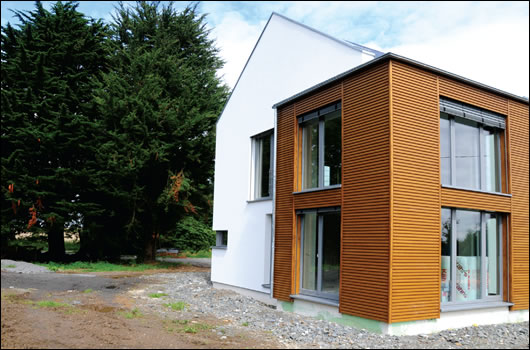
pixel 95 311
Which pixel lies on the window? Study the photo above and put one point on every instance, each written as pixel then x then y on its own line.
pixel 470 147
pixel 471 256
pixel 263 151
pixel 321 147
pixel 320 253
pixel 221 239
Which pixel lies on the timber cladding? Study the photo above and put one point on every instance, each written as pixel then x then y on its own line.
pixel 391 197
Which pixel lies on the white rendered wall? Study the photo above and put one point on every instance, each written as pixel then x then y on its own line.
pixel 288 58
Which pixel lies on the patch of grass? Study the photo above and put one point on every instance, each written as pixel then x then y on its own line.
pixel 190 330
pixel 72 245
pixel 50 303
pixel 183 322
pixel 199 254
pixel 134 313
pixel 11 266
pixel 157 295
pixel 178 306
pixel 196 327
pixel 89 290
pixel 244 324
pixel 103 266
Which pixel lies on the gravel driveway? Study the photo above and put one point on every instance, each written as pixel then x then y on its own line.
pixel 296 331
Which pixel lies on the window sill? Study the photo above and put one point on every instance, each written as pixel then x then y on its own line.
pixel 472 306
pixel 266 286
pixel 329 302
pixel 480 191
pixel 319 189
pixel 264 199
pixel 219 247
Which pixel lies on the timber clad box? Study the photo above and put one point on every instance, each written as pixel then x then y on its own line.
pixel 401 194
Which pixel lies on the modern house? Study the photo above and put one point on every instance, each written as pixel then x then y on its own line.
pixel 398 198
pixel 287 58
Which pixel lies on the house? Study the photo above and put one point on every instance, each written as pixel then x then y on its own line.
pixel 390 195
pixel 401 200
pixel 287 58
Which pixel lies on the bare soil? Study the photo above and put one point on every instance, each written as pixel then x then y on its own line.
pixel 96 311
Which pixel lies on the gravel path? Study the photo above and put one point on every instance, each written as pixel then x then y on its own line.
pixel 22 267
pixel 296 331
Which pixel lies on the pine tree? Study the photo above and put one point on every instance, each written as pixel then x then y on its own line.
pixel 49 124
pixel 160 103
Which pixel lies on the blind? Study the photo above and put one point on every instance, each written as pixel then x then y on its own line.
pixel 477 114
pixel 323 111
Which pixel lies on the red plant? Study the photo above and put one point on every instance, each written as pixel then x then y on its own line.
pixel 33 219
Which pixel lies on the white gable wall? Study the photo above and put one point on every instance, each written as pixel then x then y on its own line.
pixel 287 59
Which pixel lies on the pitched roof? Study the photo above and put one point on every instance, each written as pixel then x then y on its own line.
pixel 349 44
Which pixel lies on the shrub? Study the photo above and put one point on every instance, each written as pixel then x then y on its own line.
pixel 190 235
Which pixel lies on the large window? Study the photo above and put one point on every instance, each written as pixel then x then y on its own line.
pixel 263 151
pixel 471 256
pixel 321 147
pixel 320 253
pixel 470 147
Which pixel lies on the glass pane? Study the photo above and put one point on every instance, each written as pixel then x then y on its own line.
pixel 446 255
pixel 310 154
pixel 332 149
pixel 224 238
pixel 331 253
pixel 309 252
pixel 265 165
pixel 492 166
pixel 492 255
pixel 467 255
pixel 467 145
pixel 445 149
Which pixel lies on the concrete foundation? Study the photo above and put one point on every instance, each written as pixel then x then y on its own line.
pixel 263 297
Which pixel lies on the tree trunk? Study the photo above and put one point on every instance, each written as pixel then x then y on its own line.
pixel 56 250
pixel 150 248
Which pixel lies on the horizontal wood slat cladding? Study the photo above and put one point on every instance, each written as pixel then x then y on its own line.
pixel 472 95
pixel 416 195
pixel 284 213
pixel 318 99
pixel 318 199
pixel 455 198
pixel 518 125
pixel 366 195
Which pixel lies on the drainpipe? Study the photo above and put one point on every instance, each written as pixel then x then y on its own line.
pixel 273 202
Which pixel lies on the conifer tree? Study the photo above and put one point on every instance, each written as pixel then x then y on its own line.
pixel 160 103
pixel 49 125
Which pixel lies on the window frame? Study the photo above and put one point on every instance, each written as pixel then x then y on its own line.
pixel 320 114
pixel 220 236
pixel 320 236
pixel 482 164
pixel 484 298
pixel 257 165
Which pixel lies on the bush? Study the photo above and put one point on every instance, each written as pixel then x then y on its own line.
pixel 190 235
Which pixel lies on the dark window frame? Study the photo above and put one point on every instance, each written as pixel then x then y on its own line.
pixel 257 165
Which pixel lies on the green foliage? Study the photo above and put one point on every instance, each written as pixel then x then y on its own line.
pixel 178 306
pixel 157 295
pixel 134 313
pixel 191 235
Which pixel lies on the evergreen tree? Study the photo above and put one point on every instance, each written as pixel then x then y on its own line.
pixel 49 125
pixel 160 103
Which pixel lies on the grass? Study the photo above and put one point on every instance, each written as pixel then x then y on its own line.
pixel 245 324
pixel 89 290
pixel 134 313
pixel 199 254
pixel 157 295
pixel 178 306
pixel 50 303
pixel 103 266
pixel 11 266
pixel 72 245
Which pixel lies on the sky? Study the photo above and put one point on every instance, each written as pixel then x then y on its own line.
pixel 483 41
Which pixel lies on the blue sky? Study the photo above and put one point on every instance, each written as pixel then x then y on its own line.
pixel 483 41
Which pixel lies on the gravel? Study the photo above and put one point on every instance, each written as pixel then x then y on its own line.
pixel 22 267
pixel 297 331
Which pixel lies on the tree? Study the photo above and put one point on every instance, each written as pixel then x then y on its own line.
pixel 160 103
pixel 48 121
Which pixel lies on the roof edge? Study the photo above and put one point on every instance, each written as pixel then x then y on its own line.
pixel 405 60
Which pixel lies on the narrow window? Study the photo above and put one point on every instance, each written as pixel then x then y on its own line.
pixel 445 149
pixel 491 159
pixel 467 156
pixel 320 258
pixel 321 147
pixel 221 239
pixel 471 269
pixel 263 146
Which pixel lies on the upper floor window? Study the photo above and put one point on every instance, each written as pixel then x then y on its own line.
pixel 470 146
pixel 263 151
pixel 321 147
